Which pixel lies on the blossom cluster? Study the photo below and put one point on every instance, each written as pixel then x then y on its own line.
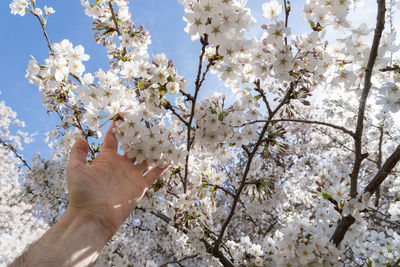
pixel 389 96
pixel 9 119
pixel 305 243
pixel 218 124
pixel 18 7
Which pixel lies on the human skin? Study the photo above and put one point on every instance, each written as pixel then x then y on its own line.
pixel 101 196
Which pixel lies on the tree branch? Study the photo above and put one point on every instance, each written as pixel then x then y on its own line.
pixel 380 25
pixel 287 12
pixel 308 122
pixel 373 185
pixel 390 163
pixel 284 101
pixel 262 94
pixel 114 17
pixel 379 164
pixel 14 150
pixel 179 261
pixel 43 28
pixel 198 84
pixel 170 107
pixel 216 253
pixel 347 221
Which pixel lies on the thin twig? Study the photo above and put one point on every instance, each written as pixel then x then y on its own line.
pixel 198 84
pixel 262 94
pixel 379 163
pixel 72 75
pixel 343 129
pixel 170 107
pixel 14 150
pixel 179 261
pixel 84 134
pixel 342 145
pixel 375 217
pixel 287 12
pixel 43 28
pixel 114 17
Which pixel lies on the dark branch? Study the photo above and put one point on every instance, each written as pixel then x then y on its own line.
pixel 309 122
pixel 380 25
pixel 170 107
pixel 262 94
pixel 384 171
pixel 346 222
pixel 373 185
pixel 379 164
pixel 198 83
pixel 179 261
pixel 284 101
pixel 114 17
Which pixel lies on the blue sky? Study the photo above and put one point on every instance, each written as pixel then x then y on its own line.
pixel 22 37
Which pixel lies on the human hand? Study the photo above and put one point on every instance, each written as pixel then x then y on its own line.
pixel 109 188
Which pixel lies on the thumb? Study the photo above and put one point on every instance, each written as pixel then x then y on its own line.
pixel 79 152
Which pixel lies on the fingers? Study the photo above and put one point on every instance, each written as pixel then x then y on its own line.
pixel 128 158
pixel 79 152
pixel 142 167
pixel 152 175
pixel 110 142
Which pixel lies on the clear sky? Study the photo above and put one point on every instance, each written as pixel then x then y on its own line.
pixel 22 37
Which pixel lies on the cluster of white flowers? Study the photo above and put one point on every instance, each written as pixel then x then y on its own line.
pixel 218 124
pixel 272 9
pixel 46 185
pixel 223 24
pixel 142 133
pixel 9 119
pixel 377 248
pixel 65 60
pixel 327 12
pixel 394 211
pixel 251 254
pixel 222 21
pixel 389 96
pixel 304 243
pixel 18 7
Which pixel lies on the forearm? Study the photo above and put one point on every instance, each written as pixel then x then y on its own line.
pixel 75 240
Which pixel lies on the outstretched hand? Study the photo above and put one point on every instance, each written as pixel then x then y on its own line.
pixel 109 188
pixel 101 195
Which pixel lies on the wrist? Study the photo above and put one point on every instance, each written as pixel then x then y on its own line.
pixel 79 217
pixel 77 239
